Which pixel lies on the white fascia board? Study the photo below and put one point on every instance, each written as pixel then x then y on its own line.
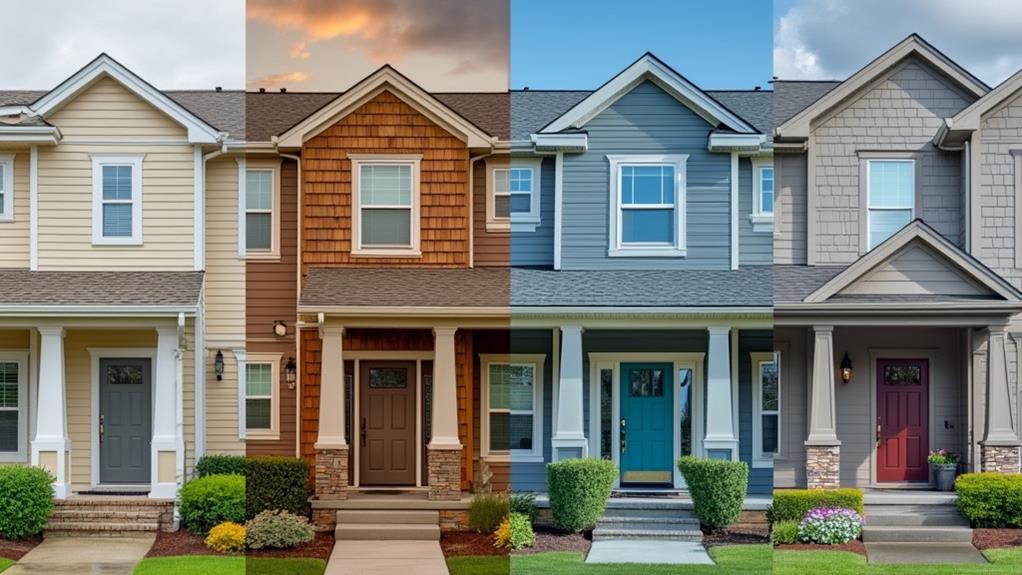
pixel 969 118
pixel 47 135
pixel 648 68
pixel 726 142
pixel 95 311
pixel 573 142
pixel 199 132
pixel 386 78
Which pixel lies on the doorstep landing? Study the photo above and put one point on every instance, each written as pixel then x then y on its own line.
pixel 649 551
pixel 903 553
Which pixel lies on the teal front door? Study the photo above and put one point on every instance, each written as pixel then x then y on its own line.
pixel 647 440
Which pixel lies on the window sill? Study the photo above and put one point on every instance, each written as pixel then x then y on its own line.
pixel 261 436
pixel 126 242
pixel 386 253
pixel 10 457
pixel 7 219
pixel 498 226
pixel 513 458
pixel 647 252
pixel 262 256
pixel 521 225
pixel 762 463
pixel 762 222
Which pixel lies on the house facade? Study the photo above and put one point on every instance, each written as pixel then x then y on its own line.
pixel 897 275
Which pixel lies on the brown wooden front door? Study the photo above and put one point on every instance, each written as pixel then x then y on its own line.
pixel 387 426
pixel 903 388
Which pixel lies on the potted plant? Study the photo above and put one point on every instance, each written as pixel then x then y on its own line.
pixel 944 463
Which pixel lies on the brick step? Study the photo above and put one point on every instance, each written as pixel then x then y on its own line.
pixel 600 534
pixel 100 527
pixel 387 532
pixel 108 513
pixel 916 534
pixel 388 517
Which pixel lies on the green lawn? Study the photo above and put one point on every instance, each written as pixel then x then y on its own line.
pixel 1002 562
pixel 731 560
pixel 221 565
pixel 5 563
pixel 479 565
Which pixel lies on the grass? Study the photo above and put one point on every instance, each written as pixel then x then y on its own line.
pixel 478 565
pixel 731 560
pixel 1002 562
pixel 223 565
pixel 5 563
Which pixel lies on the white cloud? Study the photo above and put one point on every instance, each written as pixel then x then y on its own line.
pixel 831 39
pixel 172 45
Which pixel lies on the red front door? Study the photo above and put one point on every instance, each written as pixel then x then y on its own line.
pixel 903 388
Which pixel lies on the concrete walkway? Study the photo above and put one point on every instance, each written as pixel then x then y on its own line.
pixel 386 558
pixel 84 555
pixel 902 553
pixel 649 551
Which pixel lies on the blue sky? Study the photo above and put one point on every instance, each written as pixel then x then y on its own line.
pixel 579 44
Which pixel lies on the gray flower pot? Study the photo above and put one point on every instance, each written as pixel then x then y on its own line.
pixel 945 476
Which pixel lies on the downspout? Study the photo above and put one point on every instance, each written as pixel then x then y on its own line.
pixel 298 291
pixel 471 210
pixel 967 177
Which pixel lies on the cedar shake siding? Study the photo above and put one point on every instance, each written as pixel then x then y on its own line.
pixel 385 125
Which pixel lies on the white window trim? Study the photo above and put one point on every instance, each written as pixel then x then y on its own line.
pixel 760 459
pixel 21 358
pixel 538 363
pixel 135 161
pixel 869 195
pixel 274 360
pixel 272 166
pixel 357 161
pixel 521 222
pixel 761 221
pixel 678 248
pixel 7 213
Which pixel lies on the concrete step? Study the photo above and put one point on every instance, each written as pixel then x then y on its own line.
pixel 387 517
pixel 646 523
pixel 601 534
pixel 645 512
pixel 916 519
pixel 916 534
pixel 648 503
pixel 85 514
pixel 387 532
pixel 99 528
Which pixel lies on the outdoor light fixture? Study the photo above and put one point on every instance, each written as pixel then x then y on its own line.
pixel 846 369
pixel 218 365
pixel 279 328
pixel 290 373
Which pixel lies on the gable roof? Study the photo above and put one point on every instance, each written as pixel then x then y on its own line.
pixel 793 96
pixel 958 128
pixel 797 126
pixel 649 67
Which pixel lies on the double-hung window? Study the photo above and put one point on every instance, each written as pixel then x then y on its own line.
pixel 262 380
pixel 6 187
pixel 116 200
pixel 513 403
pixel 762 216
pixel 891 192
pixel 385 198
pixel 13 407
pixel 766 393
pixel 513 203
pixel 262 208
pixel 647 205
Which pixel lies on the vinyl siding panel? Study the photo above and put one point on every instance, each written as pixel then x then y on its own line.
pixel 14 235
pixel 222 407
pixel 491 248
pixel 790 215
pixel 225 271
pixel 754 248
pixel 529 476
pixel 917 270
pixel 761 479
pixel 537 248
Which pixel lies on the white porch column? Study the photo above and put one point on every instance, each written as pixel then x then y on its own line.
pixel 1000 447
pixel 331 446
pixel 720 441
pixel 569 438
pixel 51 447
pixel 166 385
pixel 444 457
pixel 823 449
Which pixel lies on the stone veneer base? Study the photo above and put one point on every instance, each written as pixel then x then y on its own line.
pixel 331 483
pixel 823 466
pixel 444 474
pixel 999 459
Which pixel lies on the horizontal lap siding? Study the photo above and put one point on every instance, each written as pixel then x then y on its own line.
pixel 761 479
pixel 486 342
pixel 490 248
pixel 385 125
pixel 532 476
pixel 790 209
pixel 537 248
pixel 14 236
pixel 755 248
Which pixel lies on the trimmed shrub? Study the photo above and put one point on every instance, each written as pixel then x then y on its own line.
pixel 514 532
pixel 487 511
pixel 212 500
pixel 524 502
pixel 992 500
pixel 579 489
pixel 793 504
pixel 784 533
pixel 220 465
pixel 27 501
pixel 717 488
pixel 830 526
pixel 277 530
pixel 226 537
pixel 277 483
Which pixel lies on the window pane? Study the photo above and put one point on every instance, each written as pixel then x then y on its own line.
pixel 521 203
pixel 386 185
pixel 647 185
pixel 388 378
pixel 500 431
pixel 769 423
pixel 646 383
pixel 685 405
pixel 117 220
pixel 9 430
pixel 891 184
pixel 257 414
pixel 768 386
pixel 606 411
pixel 117 182
pixel 520 380
pixel 766 187
pixel 502 206
pixel 903 375
pixel 647 226
pixel 500 182
pixel 884 223
pixel 386 227
pixel 521 180
pixel 8 384
pixel 259 231
pixel 124 375
pixel 521 431
pixel 259 190
pixel 258 379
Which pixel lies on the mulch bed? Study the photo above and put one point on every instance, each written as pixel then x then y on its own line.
pixel 852 547
pixel 17 549
pixel 319 548
pixel 734 538
pixel 462 543
pixel 994 538
pixel 553 540
pixel 183 542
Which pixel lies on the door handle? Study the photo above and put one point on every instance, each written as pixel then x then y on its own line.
pixel 624 435
pixel 102 427
pixel 879 438
pixel 363 432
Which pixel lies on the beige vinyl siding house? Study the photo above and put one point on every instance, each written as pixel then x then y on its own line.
pixel 14 227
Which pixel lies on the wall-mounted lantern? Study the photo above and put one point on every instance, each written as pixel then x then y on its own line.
pixel 846 369
pixel 290 373
pixel 218 365
pixel 279 328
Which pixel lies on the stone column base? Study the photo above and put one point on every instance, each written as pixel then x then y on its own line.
pixel 823 466
pixel 444 474
pixel 332 473
pixel 999 459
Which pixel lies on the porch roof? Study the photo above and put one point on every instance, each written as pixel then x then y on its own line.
pixel 85 291
pixel 329 288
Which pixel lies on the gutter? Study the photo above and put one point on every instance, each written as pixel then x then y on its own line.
pixel 60 310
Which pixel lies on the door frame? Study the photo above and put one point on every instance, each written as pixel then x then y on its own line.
pixel 96 354
pixel 930 355
pixel 682 360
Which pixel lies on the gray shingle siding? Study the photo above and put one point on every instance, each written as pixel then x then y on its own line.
pixel 1000 132
pixel 537 248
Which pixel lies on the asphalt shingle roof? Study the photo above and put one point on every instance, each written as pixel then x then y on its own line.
pixel 793 96
pixel 406 287
pixel 792 283
pixel 99 288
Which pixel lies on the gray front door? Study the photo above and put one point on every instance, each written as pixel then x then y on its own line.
pixel 125 420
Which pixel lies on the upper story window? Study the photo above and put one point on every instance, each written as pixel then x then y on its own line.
pixel 385 205
pixel 6 187
pixel 261 193
pixel 116 200
pixel 647 216
pixel 514 195
pixel 766 393
pixel 512 390
pixel 891 193
pixel 762 216
pixel 13 407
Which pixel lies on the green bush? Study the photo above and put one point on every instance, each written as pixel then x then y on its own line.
pixel 219 464
pixel 277 483
pixel 277 530
pixel 487 511
pixel 784 533
pixel 717 488
pixel 793 504
pixel 524 502
pixel 514 532
pixel 991 500
pixel 212 500
pixel 579 489
pixel 27 501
